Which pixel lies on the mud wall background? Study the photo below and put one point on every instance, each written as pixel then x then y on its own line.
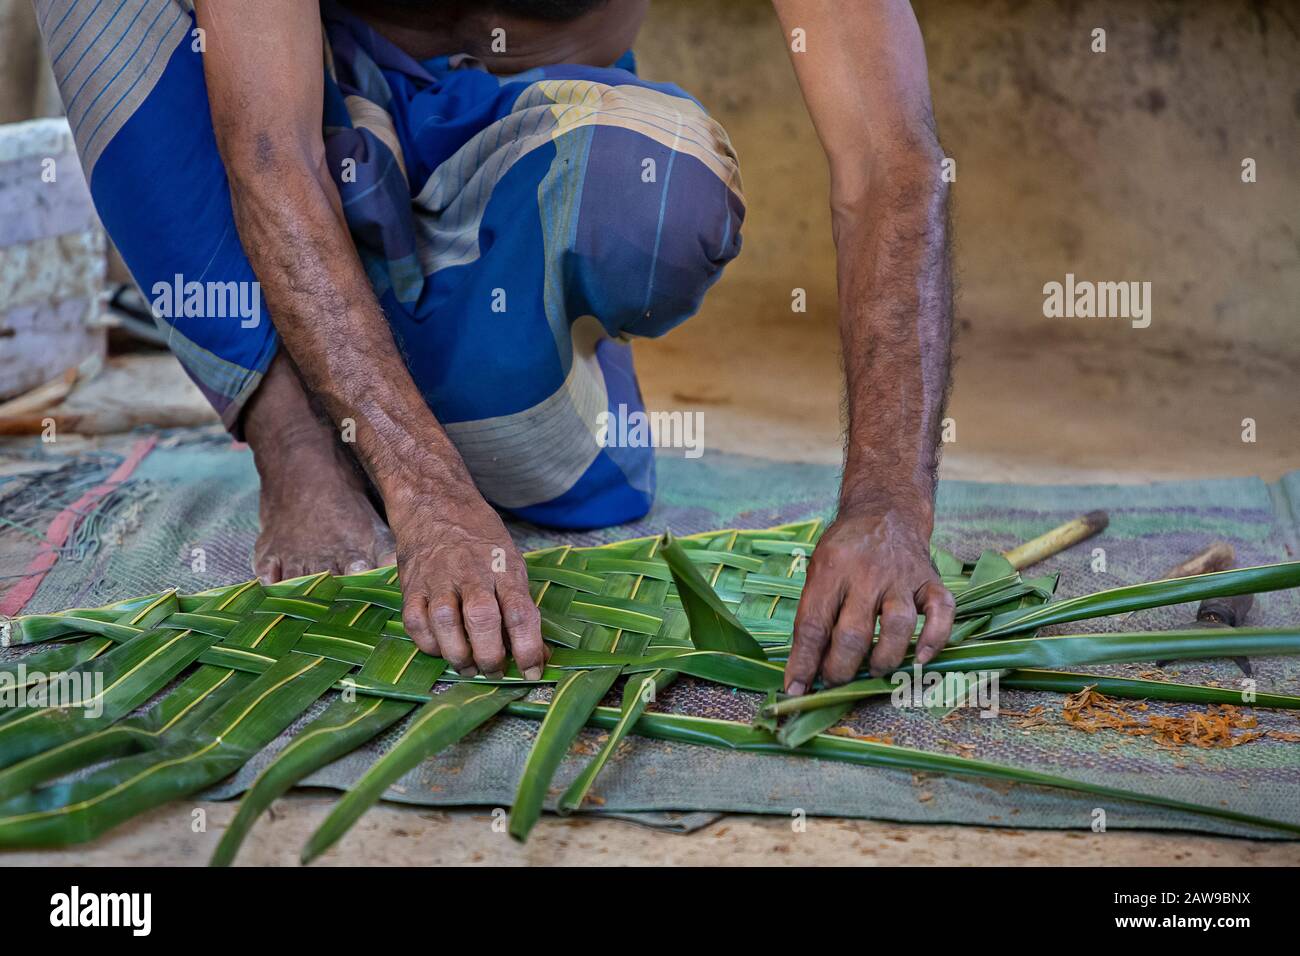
pixel 1117 166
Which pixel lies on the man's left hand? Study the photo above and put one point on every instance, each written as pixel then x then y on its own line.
pixel 867 565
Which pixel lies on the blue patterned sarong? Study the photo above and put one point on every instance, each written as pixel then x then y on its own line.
pixel 516 230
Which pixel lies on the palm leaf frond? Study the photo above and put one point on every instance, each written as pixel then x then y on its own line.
pixel 732 735
pixel 442 721
pixel 229 669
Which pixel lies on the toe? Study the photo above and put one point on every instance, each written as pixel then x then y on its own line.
pixel 385 548
pixel 330 563
pixel 267 568
pixel 354 562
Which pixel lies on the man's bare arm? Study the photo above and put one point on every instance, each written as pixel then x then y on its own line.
pixel 264 70
pixel 863 77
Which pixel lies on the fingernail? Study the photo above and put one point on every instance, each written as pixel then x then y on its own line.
pixel 468 671
pixel 533 673
pixel 924 655
pixel 796 688
pixel 356 567
pixel 495 675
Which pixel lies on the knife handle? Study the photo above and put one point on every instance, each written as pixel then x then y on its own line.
pixel 1225 611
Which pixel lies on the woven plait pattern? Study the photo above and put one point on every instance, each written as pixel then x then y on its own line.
pixel 175 691
pixel 146 700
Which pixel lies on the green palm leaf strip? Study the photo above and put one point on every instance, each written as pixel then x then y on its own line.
pixel 766 580
pixel 1137 597
pixel 838 702
pixel 807 724
pixel 197 696
pixel 762 583
pixel 713 626
pixel 1069 650
pixel 993 582
pixel 1066 651
pixel 604 615
pixel 993 585
pixel 34 669
pixel 176 761
pixel 718 666
pixel 83 808
pixel 638 693
pixel 103 689
pixel 441 722
pixel 576 696
pixel 346 724
pixel 191 702
pixel 1066 682
pixel 733 735
pixel 1032 592
pixel 638 579
pixel 992 568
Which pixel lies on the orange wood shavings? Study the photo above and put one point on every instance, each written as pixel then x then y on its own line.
pixel 586 747
pixel 920 781
pixel 960 750
pixel 1090 711
pixel 1035 716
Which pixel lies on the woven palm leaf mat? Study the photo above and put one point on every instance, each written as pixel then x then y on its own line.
pixel 186 517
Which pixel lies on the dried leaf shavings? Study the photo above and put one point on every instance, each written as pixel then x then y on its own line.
pixel 1213 727
pixel 958 749
pixel 1035 716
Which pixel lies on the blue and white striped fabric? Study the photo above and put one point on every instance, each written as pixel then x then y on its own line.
pixel 516 230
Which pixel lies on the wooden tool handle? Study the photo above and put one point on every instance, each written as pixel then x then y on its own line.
pixel 1058 539
pixel 1220 556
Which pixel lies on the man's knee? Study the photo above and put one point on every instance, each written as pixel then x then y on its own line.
pixel 659 213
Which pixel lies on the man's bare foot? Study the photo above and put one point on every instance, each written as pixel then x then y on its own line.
pixel 314 510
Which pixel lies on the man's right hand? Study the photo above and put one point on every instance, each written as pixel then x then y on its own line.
pixel 464 583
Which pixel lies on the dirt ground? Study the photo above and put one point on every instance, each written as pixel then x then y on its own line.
pixel 390 835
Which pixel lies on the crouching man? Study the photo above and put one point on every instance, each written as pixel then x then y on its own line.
pixel 458 214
